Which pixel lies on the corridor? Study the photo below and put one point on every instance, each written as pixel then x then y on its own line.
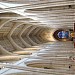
pixel 37 37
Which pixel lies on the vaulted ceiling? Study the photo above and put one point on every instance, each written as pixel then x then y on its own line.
pixel 31 23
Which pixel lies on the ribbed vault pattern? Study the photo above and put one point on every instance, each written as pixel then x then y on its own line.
pixel 27 44
pixel 15 36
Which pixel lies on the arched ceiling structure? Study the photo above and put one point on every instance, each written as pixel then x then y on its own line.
pixel 27 45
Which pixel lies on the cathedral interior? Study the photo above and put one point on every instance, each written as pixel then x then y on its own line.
pixel 37 37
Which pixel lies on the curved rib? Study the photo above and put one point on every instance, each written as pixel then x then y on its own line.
pixel 1 48
pixel 4 51
pixel 36 38
pixel 4 23
pixel 29 37
pixel 10 38
pixel 20 36
pixel 38 35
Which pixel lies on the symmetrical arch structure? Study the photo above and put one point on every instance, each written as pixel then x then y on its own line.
pixel 28 41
